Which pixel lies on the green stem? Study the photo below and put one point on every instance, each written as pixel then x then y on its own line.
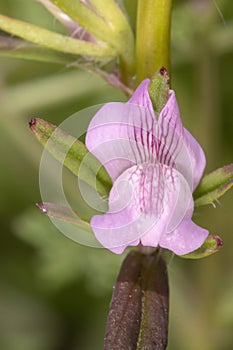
pixel 153 37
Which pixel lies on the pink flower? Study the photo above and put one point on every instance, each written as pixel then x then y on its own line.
pixel 155 165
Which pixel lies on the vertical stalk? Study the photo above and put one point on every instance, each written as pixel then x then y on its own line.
pixel 153 37
pixel 138 317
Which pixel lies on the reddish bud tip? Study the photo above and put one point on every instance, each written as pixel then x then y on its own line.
pixel 163 71
pixel 42 208
pixel 228 168
pixel 32 122
pixel 219 242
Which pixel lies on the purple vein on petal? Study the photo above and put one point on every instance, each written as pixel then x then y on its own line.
pixel 162 158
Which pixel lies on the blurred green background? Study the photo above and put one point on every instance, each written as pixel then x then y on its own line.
pixel 54 293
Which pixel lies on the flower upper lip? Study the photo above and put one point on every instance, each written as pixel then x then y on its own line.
pixel 155 164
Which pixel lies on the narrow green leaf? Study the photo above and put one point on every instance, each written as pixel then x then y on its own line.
pixel 119 24
pixel 111 12
pixel 52 40
pixel 70 151
pixel 159 89
pixel 87 17
pixel 64 214
pixel 106 22
pixel 214 185
pixel 17 48
pixel 103 19
pixel 211 245
pixel 71 26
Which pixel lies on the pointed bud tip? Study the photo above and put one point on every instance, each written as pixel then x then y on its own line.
pixel 219 242
pixel 159 89
pixel 42 208
pixel 32 122
pixel 212 245
pixel 163 71
pixel 228 168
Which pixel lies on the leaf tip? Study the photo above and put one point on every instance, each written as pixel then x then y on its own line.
pixel 228 169
pixel 212 245
pixel 42 208
pixel 163 71
pixel 219 242
pixel 159 89
pixel 32 122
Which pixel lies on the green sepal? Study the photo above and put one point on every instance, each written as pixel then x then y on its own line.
pixel 71 152
pixel 159 89
pixel 64 214
pixel 214 185
pixel 211 245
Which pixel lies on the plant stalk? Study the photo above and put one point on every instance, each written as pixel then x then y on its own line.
pixel 152 37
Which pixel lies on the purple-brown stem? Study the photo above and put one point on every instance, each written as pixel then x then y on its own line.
pixel 138 316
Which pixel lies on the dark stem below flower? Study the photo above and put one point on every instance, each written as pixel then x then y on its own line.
pixel 138 316
pixel 146 250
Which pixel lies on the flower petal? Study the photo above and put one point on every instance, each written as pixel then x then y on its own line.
pixel 186 238
pixel 177 147
pixel 197 157
pixel 145 201
pixel 141 96
pixel 121 135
